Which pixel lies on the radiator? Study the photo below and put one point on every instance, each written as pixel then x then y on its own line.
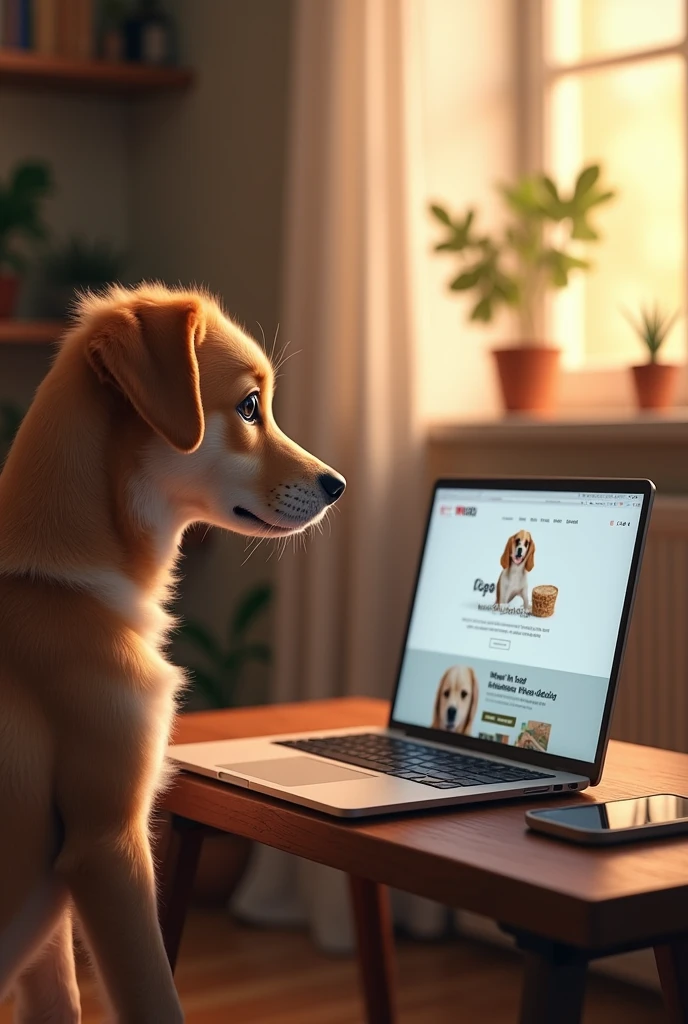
pixel 652 701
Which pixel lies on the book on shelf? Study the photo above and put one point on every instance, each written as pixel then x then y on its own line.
pixel 64 27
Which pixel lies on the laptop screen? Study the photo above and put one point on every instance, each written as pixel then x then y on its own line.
pixel 517 613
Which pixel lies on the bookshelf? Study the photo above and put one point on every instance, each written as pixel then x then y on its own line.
pixel 26 69
pixel 30 332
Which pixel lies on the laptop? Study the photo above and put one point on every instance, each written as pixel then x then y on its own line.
pixel 509 667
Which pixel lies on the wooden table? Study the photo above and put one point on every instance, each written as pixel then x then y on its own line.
pixel 566 905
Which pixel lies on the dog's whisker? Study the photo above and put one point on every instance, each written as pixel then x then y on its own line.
pixel 265 347
pixel 274 343
pixel 252 548
pixel 281 354
pixel 285 358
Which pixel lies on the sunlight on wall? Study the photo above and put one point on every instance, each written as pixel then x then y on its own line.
pixel 587 29
pixel 467 114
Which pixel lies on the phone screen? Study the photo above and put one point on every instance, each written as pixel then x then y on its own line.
pixel 618 814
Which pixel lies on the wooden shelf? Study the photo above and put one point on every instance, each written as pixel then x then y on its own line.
pixel 30 332
pixel 28 70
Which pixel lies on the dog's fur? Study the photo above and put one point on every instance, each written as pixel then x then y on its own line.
pixel 134 434
pixel 518 559
pixel 456 700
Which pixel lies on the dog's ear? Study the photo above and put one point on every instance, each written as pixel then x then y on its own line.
pixel 530 560
pixel 436 723
pixel 149 353
pixel 504 560
pixel 475 693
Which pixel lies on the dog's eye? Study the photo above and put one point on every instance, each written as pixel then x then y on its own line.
pixel 249 409
pixel 446 693
pixel 464 694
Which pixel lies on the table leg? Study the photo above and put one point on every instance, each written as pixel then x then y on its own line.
pixel 175 881
pixel 672 965
pixel 553 983
pixel 375 940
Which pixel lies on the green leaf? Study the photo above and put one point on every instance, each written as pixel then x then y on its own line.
pixel 31 179
pixel 593 198
pixel 257 652
pixel 249 608
pixel 209 686
pixel 523 197
pixel 652 327
pixel 550 187
pixel 586 179
pixel 468 279
pixel 441 214
pixel 582 230
pixel 198 636
pixel 11 417
pixel 560 264
pixel 507 289
pixel 483 310
pixel 12 259
pixel 448 247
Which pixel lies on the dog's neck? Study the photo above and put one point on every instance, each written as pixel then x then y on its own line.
pixel 65 491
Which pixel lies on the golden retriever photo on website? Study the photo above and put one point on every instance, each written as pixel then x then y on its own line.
pixel 456 700
pixel 518 559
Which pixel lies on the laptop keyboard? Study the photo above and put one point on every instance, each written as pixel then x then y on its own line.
pixel 430 766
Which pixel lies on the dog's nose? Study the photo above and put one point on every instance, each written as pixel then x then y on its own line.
pixel 333 485
pixel 451 714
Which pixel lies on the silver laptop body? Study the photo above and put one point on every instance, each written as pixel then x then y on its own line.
pixel 508 673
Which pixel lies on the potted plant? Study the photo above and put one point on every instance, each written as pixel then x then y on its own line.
pixel 537 251
pixel 20 220
pixel 656 383
pixel 78 265
pixel 224 858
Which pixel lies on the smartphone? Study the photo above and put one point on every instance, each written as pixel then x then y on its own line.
pixel 619 821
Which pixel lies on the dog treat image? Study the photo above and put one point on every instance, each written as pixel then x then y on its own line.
pixel 534 735
pixel 544 598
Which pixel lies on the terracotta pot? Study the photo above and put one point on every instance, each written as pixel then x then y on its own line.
pixel 9 294
pixel 656 384
pixel 528 376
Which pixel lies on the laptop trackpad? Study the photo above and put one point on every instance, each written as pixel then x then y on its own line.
pixel 296 771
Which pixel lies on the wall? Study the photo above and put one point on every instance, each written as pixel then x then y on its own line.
pixel 86 142
pixel 468 82
pixel 207 181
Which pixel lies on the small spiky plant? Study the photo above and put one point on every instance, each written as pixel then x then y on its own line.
pixel 652 327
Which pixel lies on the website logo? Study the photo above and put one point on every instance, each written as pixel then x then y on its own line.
pixel 458 510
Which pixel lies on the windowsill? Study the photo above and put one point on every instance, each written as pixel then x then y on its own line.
pixel 588 425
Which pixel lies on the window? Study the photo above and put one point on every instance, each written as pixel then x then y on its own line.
pixel 605 81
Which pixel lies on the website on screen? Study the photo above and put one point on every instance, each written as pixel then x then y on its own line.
pixel 517 615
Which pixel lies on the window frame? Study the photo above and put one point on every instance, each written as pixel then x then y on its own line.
pixel 585 387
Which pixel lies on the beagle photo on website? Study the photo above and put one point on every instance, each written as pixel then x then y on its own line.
pixel 518 559
pixel 456 700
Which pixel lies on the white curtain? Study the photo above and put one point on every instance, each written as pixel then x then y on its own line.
pixel 348 315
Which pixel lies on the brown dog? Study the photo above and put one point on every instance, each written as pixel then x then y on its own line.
pixel 457 700
pixel 156 413
pixel 518 559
